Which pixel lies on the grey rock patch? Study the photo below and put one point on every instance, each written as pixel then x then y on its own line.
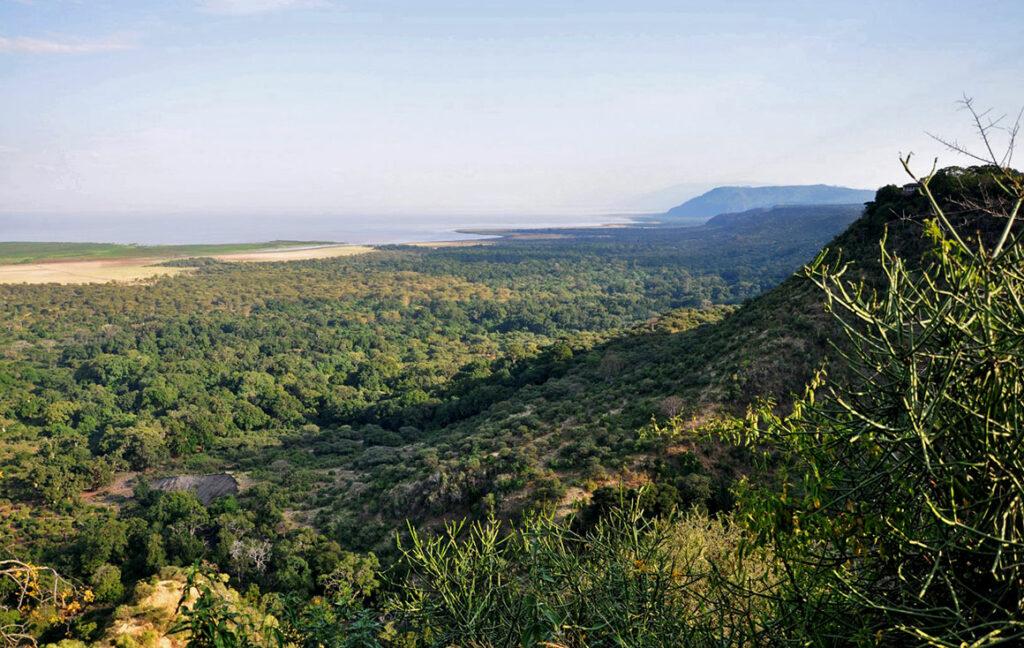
pixel 205 487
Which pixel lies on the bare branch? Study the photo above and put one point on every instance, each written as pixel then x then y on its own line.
pixel 1013 131
pixel 29 587
pixel 985 128
pixel 956 147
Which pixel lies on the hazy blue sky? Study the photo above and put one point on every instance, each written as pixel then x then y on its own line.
pixel 314 106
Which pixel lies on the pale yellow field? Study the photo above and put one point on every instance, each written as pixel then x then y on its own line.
pixel 82 272
pixel 296 254
pixel 450 244
pixel 132 270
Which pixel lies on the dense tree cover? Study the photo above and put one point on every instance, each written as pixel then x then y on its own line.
pixel 352 393
pixel 892 512
pixel 900 508
pixel 891 515
pixel 882 511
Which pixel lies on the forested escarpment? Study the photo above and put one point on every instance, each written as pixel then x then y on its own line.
pixel 606 372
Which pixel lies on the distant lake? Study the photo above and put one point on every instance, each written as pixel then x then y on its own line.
pixel 169 230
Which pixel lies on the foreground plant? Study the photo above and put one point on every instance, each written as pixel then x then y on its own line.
pixel 901 510
pixel 210 616
pixel 630 581
pixel 34 598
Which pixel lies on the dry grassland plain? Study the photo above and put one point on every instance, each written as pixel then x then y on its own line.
pixel 295 254
pixel 134 270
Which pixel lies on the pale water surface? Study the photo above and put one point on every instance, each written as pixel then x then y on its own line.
pixel 156 230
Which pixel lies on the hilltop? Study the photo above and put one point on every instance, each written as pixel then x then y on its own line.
pixel 723 200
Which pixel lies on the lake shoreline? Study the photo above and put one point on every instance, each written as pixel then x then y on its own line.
pixel 132 263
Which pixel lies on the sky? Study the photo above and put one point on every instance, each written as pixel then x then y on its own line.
pixel 478 106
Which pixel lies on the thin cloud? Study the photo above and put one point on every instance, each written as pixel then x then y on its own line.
pixel 250 7
pixel 27 45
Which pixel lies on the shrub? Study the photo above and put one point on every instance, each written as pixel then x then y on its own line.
pixel 106 584
pixel 631 581
pixel 901 503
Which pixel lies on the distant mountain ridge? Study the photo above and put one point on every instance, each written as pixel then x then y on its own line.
pixel 724 200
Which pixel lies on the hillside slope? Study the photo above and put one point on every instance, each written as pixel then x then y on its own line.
pixel 537 430
pixel 577 426
pixel 723 200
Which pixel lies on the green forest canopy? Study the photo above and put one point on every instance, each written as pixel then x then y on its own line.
pixel 483 381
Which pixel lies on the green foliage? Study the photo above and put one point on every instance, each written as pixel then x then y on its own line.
pixel 353 579
pixel 214 620
pixel 34 600
pixel 342 616
pixel 899 508
pixel 404 384
pixel 629 581
pixel 391 384
pixel 106 584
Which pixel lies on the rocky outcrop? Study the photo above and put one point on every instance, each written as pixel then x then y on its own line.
pixel 206 487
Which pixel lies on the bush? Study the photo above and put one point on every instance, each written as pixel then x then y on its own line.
pixel 631 581
pixel 106 584
pixel 900 508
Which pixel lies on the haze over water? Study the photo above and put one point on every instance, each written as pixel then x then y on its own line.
pixel 171 230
